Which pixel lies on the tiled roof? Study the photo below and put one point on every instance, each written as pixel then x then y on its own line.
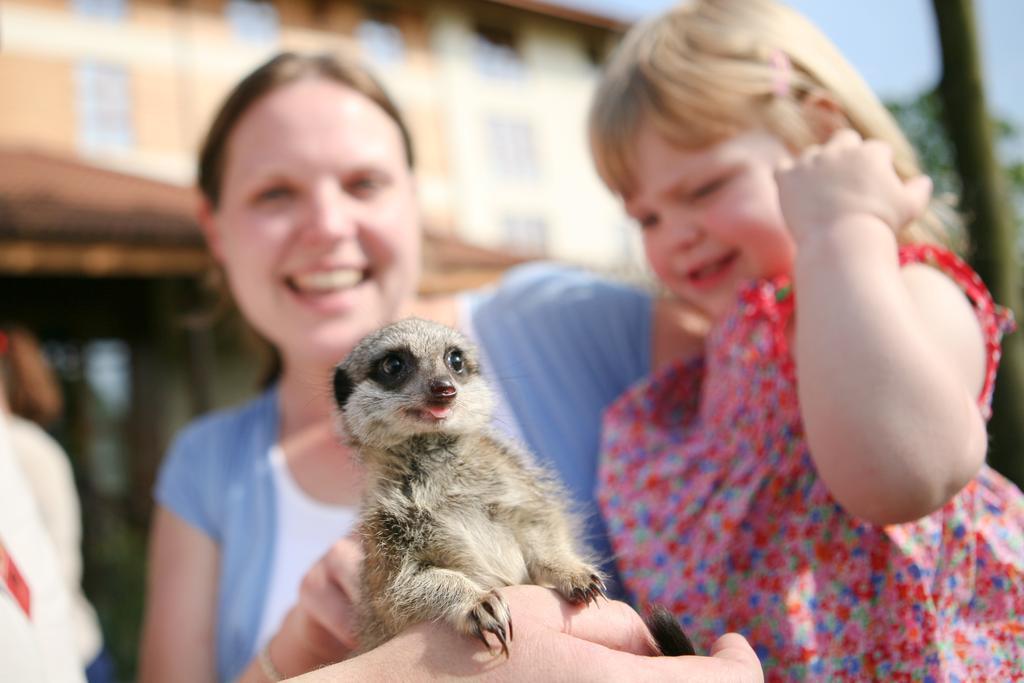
pixel 561 11
pixel 50 198
pixel 62 215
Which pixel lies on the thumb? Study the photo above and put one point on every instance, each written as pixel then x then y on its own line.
pixel 918 194
pixel 734 647
pixel 610 623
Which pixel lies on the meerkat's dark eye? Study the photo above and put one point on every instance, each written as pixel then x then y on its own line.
pixel 394 368
pixel 455 361
pixel 392 365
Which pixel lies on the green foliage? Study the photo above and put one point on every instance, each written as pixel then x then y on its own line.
pixel 921 119
pixel 114 581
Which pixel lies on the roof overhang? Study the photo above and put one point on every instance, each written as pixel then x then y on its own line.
pixel 61 216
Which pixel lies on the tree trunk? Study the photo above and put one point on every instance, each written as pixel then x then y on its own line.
pixel 988 211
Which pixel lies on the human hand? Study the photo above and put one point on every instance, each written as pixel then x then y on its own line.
pixel 320 628
pixel 847 178
pixel 553 640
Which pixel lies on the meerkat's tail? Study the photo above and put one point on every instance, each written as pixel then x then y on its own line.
pixel 668 635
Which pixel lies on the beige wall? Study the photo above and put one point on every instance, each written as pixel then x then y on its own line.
pixel 38 98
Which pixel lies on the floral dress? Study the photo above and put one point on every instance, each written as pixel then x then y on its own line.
pixel 716 511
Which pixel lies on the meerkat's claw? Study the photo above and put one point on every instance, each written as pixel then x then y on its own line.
pixel 499 633
pixel 491 615
pixel 479 632
pixel 584 589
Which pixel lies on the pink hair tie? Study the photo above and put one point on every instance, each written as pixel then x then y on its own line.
pixel 782 72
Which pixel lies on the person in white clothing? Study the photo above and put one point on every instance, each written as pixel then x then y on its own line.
pixel 36 642
pixel 30 397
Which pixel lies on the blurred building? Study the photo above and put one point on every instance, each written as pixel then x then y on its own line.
pixel 495 92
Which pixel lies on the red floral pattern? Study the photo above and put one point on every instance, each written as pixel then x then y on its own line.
pixel 715 510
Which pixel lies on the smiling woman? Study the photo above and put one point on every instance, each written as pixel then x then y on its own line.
pixel 309 207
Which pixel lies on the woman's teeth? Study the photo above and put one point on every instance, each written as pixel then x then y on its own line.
pixel 327 280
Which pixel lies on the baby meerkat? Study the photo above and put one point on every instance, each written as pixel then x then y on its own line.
pixel 451 512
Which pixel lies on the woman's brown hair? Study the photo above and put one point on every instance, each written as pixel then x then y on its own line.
pixel 286 68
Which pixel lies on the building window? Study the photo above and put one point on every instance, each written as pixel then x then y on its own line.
pixel 596 54
pixel 379 36
pixel 513 151
pixel 525 234
pixel 111 10
pixel 254 21
pixel 496 54
pixel 104 106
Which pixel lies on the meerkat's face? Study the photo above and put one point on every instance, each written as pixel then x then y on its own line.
pixel 410 378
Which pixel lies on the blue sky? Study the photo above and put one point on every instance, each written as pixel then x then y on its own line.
pixel 893 43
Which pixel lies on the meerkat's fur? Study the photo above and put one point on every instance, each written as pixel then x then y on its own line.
pixel 451 512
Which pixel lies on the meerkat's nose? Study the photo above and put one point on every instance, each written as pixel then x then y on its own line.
pixel 442 390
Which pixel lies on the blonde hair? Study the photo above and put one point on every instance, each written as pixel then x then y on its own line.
pixel 705 70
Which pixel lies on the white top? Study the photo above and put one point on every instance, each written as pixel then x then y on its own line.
pixel 41 648
pixel 306 529
pixel 48 471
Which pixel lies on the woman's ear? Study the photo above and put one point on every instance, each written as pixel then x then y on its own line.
pixel 208 226
pixel 823 114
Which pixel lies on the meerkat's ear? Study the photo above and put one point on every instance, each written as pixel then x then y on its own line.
pixel 343 386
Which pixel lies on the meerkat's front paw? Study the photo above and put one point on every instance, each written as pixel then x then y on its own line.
pixel 490 615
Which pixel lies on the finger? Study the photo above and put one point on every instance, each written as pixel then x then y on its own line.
pixel 733 646
pixel 844 138
pixel 343 562
pixel 734 665
pixel 335 613
pixel 918 193
pixel 609 623
pixel 327 604
pixel 784 165
pixel 810 152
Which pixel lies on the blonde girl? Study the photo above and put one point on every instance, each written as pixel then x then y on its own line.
pixel 812 471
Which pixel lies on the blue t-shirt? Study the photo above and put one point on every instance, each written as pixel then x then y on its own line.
pixel 562 345
pixel 218 477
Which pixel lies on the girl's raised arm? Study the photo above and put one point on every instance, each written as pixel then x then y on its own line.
pixel 889 361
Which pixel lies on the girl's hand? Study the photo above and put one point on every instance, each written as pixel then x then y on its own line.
pixel 847 179
pixel 320 628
